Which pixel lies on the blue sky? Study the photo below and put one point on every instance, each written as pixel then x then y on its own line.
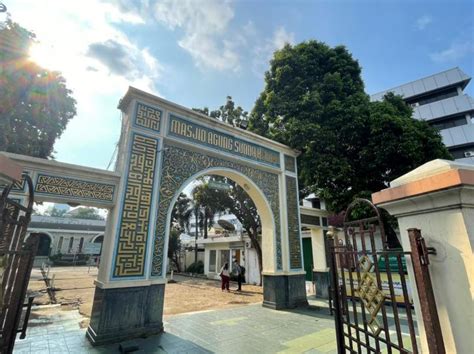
pixel 195 53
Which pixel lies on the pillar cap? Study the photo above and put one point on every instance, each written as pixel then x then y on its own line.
pixel 9 170
pixel 431 177
pixel 431 168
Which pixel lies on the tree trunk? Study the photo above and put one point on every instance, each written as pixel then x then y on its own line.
pixel 176 262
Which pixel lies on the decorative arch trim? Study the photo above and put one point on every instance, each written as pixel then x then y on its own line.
pixel 178 165
pixel 96 237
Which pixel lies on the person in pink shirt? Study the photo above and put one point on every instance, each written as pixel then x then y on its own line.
pixel 225 277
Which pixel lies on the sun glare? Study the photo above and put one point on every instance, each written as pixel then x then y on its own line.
pixel 44 56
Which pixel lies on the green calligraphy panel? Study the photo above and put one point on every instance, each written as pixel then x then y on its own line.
pixel 148 117
pixel 136 208
pixel 294 237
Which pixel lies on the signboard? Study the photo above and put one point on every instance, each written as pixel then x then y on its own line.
pixel 92 248
pixel 396 281
pixel 202 135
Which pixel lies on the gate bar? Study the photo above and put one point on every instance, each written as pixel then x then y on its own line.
pixel 335 294
pixel 429 312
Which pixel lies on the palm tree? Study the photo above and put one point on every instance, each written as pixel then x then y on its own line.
pixel 182 211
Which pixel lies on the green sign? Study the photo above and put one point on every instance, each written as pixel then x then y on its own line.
pixel 201 135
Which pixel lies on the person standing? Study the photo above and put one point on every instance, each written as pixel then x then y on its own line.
pixel 225 277
pixel 237 270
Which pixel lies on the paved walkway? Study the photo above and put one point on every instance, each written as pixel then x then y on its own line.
pixel 245 329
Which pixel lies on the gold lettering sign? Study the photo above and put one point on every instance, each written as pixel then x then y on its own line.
pixel 183 129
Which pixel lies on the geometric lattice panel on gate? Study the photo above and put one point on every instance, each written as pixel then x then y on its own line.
pixel 74 188
pixel 136 208
pixel 294 238
pixel 370 294
pixel 148 117
pixel 178 165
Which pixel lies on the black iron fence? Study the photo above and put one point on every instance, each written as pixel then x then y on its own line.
pixel 16 262
pixel 372 298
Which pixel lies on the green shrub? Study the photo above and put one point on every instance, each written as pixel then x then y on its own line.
pixel 196 267
pixel 69 259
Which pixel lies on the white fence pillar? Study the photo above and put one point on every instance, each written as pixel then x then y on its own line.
pixel 438 199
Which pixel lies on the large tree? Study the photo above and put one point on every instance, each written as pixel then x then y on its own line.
pixel 35 104
pixel 314 101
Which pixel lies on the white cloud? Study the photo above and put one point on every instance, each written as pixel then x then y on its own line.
pixel 456 51
pixel 282 37
pixel 125 60
pixel 205 27
pixel 263 52
pixel 67 30
pixel 423 21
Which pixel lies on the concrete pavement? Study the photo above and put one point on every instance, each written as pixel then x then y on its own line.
pixel 245 329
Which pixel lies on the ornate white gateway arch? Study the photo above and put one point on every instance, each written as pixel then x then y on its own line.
pixel 162 147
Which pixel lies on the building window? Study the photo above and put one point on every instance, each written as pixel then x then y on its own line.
pixel 462 152
pixel 212 261
pixel 451 122
pixel 325 221
pixel 81 244
pixel 60 244
pixel 71 242
pixel 225 257
pixel 438 95
pixel 316 203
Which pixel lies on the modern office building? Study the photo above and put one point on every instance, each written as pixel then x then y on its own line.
pixel 440 100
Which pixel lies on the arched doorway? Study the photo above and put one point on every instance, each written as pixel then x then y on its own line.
pixel 265 212
pixel 99 239
pixel 283 276
pixel 44 246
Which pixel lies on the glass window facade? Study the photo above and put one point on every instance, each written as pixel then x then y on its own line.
pixel 451 122
pixel 212 261
pixel 461 152
pixel 433 97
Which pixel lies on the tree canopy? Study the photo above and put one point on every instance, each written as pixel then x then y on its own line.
pixel 227 113
pixel 86 213
pixel 314 101
pixel 35 104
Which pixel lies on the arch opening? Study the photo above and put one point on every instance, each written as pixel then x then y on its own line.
pixel 44 245
pixel 219 245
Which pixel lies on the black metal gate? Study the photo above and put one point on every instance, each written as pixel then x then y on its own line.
pixel 370 289
pixel 16 261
